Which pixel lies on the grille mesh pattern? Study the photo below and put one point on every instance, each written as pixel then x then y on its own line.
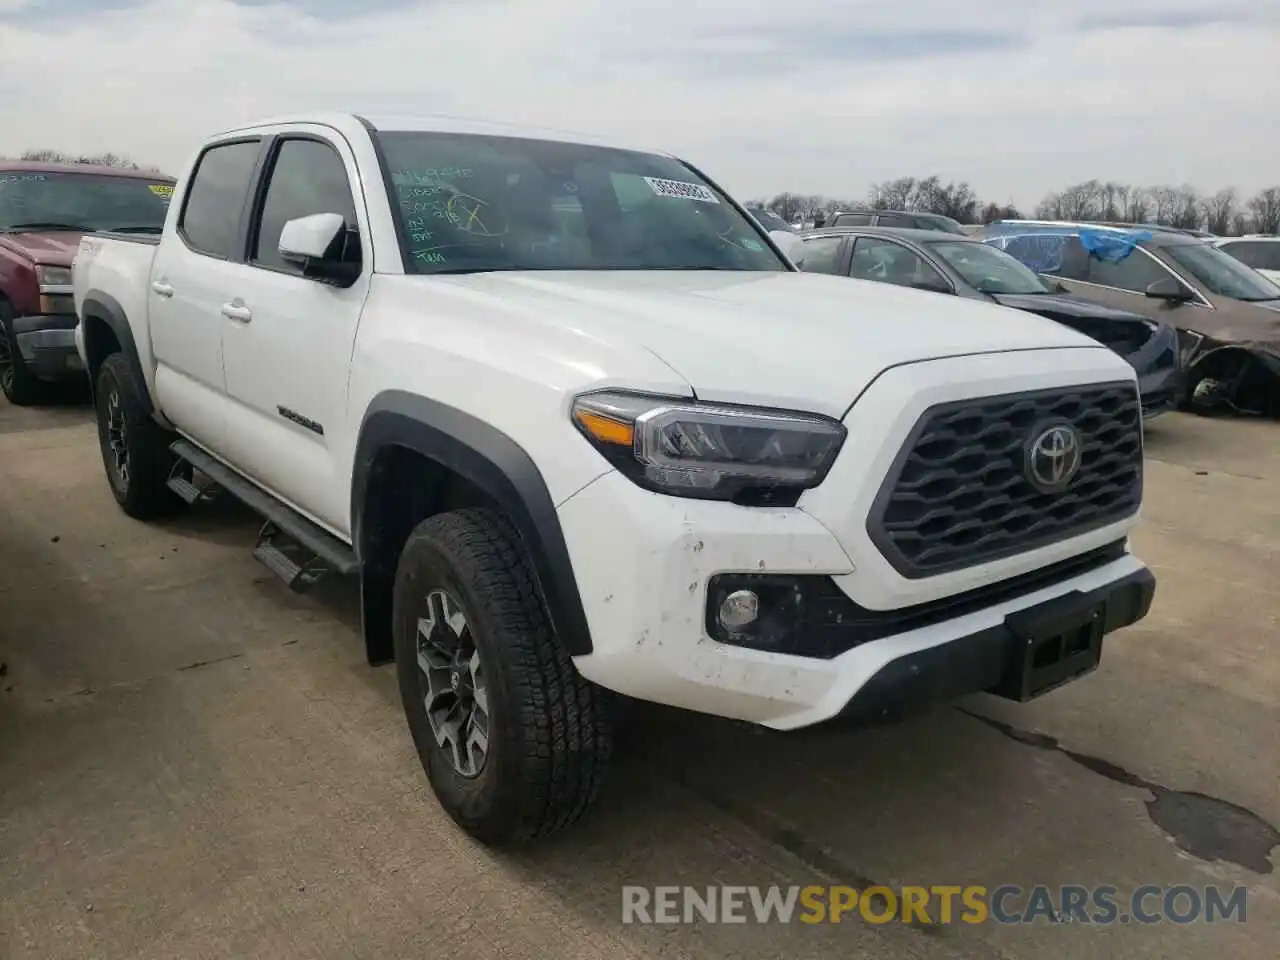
pixel 958 495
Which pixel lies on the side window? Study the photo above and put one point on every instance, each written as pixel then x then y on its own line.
pixel 1054 254
pixel 1259 254
pixel 1135 272
pixel 211 211
pixel 894 220
pixel 888 262
pixel 306 177
pixel 822 254
pixel 852 220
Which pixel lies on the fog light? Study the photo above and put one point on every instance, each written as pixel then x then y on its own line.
pixel 739 610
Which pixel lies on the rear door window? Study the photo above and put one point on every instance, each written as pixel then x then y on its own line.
pixel 852 220
pixel 210 221
pixel 889 262
pixel 1134 273
pixel 821 254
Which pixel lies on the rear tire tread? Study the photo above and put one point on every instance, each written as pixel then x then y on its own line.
pixel 150 461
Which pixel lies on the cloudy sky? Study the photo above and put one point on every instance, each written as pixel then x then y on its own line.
pixel 824 96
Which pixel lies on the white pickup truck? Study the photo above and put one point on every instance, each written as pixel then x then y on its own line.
pixel 580 428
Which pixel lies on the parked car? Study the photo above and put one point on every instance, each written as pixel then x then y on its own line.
pixel 966 267
pixel 895 218
pixel 1260 252
pixel 44 210
pixel 770 220
pixel 638 453
pixel 1227 315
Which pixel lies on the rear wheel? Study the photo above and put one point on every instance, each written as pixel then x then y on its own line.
pixel 135 449
pixel 514 742
pixel 20 386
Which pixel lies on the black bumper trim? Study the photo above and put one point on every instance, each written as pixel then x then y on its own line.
pixel 984 661
pixel 46 343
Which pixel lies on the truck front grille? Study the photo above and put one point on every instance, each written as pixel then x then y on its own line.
pixel 961 492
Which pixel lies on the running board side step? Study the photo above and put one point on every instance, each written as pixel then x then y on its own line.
pixel 181 482
pixel 295 549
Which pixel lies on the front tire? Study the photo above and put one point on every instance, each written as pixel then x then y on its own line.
pixel 135 449
pixel 515 743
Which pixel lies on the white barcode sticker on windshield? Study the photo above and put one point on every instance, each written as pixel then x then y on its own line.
pixel 681 190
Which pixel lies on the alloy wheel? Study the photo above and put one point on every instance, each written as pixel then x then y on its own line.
pixel 452 682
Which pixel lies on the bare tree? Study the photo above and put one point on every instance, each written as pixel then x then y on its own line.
pixel 108 159
pixel 1164 204
pixel 1219 211
pixel 1137 205
pixel 1111 200
pixel 1081 201
pixel 1241 223
pixel 1265 208
pixel 1186 213
pixel 893 194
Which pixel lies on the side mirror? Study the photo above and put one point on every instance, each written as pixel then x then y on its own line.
pixel 315 243
pixel 790 245
pixel 1168 288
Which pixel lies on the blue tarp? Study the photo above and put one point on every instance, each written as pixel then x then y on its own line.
pixel 1112 246
pixel 1042 248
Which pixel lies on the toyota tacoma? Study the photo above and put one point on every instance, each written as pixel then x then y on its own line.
pixel 581 428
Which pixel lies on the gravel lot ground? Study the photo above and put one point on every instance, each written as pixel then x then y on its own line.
pixel 195 763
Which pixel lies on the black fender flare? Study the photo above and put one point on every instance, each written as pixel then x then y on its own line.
pixel 494 463
pixel 105 308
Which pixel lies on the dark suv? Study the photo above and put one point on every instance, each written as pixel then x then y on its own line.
pixel 895 218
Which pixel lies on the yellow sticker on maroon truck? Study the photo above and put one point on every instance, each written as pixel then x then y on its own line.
pixel 161 189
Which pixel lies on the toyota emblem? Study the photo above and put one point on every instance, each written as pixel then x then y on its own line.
pixel 1053 456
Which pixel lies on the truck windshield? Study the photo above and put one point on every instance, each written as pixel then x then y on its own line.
pixel 478 203
pixel 82 201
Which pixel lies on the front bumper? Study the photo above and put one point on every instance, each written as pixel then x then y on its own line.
pixel 48 346
pixel 647 609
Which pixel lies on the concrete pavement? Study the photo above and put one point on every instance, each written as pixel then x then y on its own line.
pixel 196 763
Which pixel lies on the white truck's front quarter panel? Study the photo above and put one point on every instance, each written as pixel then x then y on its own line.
pixel 508 370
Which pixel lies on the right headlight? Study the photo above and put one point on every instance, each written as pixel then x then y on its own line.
pixel 710 451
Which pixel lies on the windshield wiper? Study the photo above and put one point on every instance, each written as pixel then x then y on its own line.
pixel 48 225
pixel 136 228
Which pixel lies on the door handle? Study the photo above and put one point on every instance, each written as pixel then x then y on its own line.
pixel 161 289
pixel 237 311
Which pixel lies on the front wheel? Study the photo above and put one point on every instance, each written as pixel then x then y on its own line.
pixel 135 449
pixel 514 741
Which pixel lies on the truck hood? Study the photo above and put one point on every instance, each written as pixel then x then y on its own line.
pixel 55 248
pixel 800 340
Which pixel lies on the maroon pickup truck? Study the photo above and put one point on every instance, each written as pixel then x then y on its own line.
pixel 44 210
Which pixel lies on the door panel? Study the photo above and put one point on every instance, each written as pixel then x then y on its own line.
pixel 287 362
pixel 192 271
